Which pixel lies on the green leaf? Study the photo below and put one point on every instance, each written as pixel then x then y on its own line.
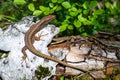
pixel 42 8
pixel 34 0
pixel 55 7
pixel 85 5
pixel 95 31
pixel 79 10
pixel 98 12
pixel 63 27
pixel 51 5
pixel 58 8
pixel 116 5
pixel 85 11
pixel 108 5
pixel 62 78
pixel 60 1
pixel 114 8
pixel 54 1
pixel 70 27
pixel 93 4
pixel 19 2
pixel 80 18
pixel 87 22
pixel 7 17
pixel 84 34
pixel 73 9
pixel 73 13
pixel 31 7
pixel 77 23
pixel 66 5
pixel 37 12
pixel 51 11
pixel 47 11
pixel 68 17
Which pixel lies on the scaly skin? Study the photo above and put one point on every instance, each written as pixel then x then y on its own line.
pixel 29 40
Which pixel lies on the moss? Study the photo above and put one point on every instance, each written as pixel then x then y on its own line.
pixel 23 78
pixel 114 76
pixel 42 72
pixel 83 77
pixel 79 77
pixel 3 52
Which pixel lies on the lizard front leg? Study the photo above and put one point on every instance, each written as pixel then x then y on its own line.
pixel 37 38
pixel 25 48
pixel 24 53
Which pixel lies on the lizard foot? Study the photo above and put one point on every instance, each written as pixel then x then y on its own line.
pixel 24 58
pixel 24 54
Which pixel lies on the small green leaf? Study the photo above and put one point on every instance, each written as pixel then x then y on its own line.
pixel 98 12
pixel 73 13
pixel 60 1
pixel 19 2
pixel 42 8
pixel 54 1
pixel 85 5
pixel 68 17
pixel 51 11
pixel 84 34
pixel 55 7
pixel 81 18
pixel 108 5
pixel 87 22
pixel 74 9
pixel 58 8
pixel 66 5
pixel 7 17
pixel 37 12
pixel 62 78
pixel 70 27
pixel 34 0
pixel 77 23
pixel 31 7
pixel 79 10
pixel 63 27
pixel 51 5
pixel 85 11
pixel 84 20
pixel 93 4
pixel 47 11
pixel 95 31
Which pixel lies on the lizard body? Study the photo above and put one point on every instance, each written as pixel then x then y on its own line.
pixel 29 40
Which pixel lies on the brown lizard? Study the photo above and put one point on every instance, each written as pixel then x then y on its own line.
pixel 29 40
